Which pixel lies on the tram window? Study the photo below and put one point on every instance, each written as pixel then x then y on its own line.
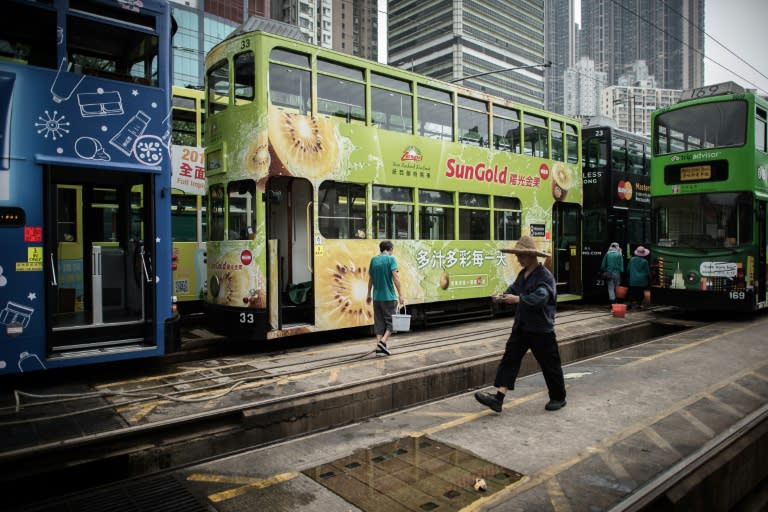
pixel 636 160
pixel 619 154
pixel 184 218
pixel 558 148
pixel 435 117
pixel 536 136
pixel 506 129
pixel 28 35
pixel 392 219
pixel 474 217
pixel 507 216
pixel 66 214
pixel 473 121
pixel 245 79
pixel 289 88
pixel 572 143
pixel 218 86
pixel 241 210
pixel 341 98
pixel 341 212
pixel 289 57
pixel 111 51
pixel 392 110
pixel 761 143
pixel 216 210
pixel 436 215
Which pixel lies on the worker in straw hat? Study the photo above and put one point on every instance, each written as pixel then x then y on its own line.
pixel 535 293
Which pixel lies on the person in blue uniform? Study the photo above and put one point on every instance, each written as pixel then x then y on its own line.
pixel 535 293
pixel 383 279
pixel 612 267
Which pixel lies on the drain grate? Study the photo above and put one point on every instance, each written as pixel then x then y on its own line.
pixel 413 473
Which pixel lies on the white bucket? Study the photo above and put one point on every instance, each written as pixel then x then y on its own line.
pixel 401 322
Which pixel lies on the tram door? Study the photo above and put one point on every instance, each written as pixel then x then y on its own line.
pixel 290 220
pixel 99 270
pixel 566 241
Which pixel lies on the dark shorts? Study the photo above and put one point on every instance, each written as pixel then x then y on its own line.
pixel 382 315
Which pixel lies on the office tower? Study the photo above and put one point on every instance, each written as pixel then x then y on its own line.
pixel 451 40
pixel 560 49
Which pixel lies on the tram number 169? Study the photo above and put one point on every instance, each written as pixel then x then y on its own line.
pixel 246 318
pixel 737 295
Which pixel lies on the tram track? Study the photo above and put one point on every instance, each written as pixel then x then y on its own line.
pixel 204 412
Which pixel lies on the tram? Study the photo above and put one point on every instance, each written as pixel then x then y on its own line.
pixel 314 156
pixel 617 198
pixel 709 196
pixel 85 270
pixel 188 202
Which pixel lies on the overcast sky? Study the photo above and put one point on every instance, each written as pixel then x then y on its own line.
pixel 740 26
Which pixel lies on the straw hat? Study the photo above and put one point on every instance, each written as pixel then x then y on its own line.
pixel 526 245
pixel 642 251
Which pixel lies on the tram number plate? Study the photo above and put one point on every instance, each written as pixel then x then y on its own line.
pixel 697 172
pixel 247 318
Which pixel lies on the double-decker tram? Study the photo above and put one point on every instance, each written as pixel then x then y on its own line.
pixel 617 198
pixel 85 270
pixel 188 203
pixel 313 157
pixel 709 190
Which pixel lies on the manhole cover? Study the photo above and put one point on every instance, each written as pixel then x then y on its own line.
pixel 413 473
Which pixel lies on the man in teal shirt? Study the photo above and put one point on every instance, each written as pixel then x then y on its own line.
pixel 383 279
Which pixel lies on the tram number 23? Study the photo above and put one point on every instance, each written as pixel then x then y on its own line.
pixel 247 318
pixel 737 295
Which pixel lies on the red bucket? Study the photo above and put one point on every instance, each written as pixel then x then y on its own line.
pixel 621 292
pixel 619 310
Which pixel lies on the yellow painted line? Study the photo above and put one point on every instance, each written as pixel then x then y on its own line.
pixel 142 413
pixel 557 497
pixel 247 484
pixel 614 464
pixel 660 442
pixel 696 422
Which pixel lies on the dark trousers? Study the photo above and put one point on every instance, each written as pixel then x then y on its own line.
pixel 544 349
pixel 636 294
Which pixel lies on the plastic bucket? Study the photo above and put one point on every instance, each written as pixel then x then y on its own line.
pixel 401 321
pixel 619 310
pixel 621 292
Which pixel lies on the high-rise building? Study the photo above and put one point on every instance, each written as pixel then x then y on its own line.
pixel 631 106
pixel 582 85
pixel 459 39
pixel 560 49
pixel 668 36
pixel 201 25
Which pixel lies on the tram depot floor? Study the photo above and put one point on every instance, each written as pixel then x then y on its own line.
pixel 404 432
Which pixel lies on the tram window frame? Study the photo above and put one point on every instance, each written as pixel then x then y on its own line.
pixel 216 94
pixel 572 143
pixel 183 126
pixel 505 208
pixel 619 154
pixel 473 113
pixel 535 135
pixel 474 216
pixel 341 91
pixel 506 129
pixel 636 157
pixel 28 35
pixel 241 193
pixel 761 130
pixel 558 143
pixel 436 215
pixel 217 209
pixel 66 214
pixel 344 217
pixel 99 45
pixel 392 212
pixel 245 77
pixel 287 79
pixel 435 113
pixel 391 103
pixel 184 216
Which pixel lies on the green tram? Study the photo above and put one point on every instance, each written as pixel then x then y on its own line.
pixel 314 156
pixel 709 190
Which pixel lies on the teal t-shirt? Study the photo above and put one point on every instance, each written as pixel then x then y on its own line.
pixel 380 270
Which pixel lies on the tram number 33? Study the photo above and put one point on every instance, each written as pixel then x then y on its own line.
pixel 737 295
pixel 246 318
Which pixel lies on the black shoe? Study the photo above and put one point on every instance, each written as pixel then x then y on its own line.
pixel 554 405
pixel 382 349
pixel 488 400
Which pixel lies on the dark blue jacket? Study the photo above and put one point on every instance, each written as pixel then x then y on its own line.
pixel 538 300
